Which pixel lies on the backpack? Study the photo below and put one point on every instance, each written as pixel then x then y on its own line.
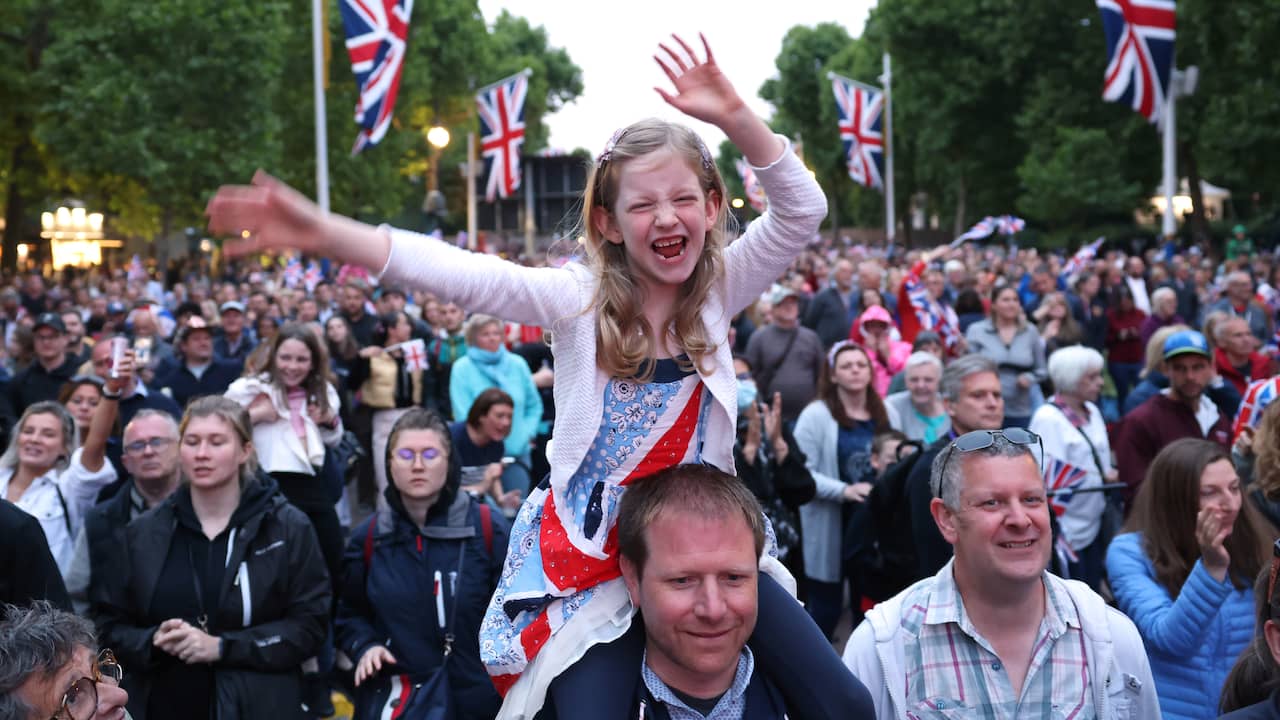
pixel 878 547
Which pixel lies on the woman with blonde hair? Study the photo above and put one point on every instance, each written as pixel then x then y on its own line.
pixel 216 596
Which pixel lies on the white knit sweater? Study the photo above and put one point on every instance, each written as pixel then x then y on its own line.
pixel 559 299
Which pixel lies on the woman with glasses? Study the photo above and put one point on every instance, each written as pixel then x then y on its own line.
pixel 48 473
pixel 215 597
pixel 834 432
pixel 1183 570
pixel 1252 690
pixel 417 578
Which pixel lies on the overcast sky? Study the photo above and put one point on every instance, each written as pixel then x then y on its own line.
pixel 614 43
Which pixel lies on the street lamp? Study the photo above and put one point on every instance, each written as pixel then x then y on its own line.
pixel 438 138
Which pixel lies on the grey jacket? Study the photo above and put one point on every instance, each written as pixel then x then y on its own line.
pixel 1024 355
pixel 816 435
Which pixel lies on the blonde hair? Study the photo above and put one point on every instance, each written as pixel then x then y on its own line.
pixel 1155 347
pixel 624 338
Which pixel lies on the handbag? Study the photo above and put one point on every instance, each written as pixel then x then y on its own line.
pixel 340 462
pixel 418 696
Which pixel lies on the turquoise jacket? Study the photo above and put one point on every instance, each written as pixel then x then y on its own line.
pixel 472 375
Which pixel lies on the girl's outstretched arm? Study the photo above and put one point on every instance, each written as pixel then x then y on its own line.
pixel 705 93
pixel 277 217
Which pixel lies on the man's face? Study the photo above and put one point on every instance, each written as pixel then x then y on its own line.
pixel 1043 282
pixel 258 305
pixel 144 324
pixel 787 312
pixel 844 275
pixel 935 283
pixel 307 311
pixel 151 464
pixel 451 316
pixel 232 322
pixel 44 694
pixel 1188 375
pixel 869 275
pixel 197 348
pixel 75 328
pixel 50 346
pixel 1239 289
pixel 1001 529
pixel 980 405
pixel 1135 267
pixel 1237 339
pixel 352 302
pixel 697 592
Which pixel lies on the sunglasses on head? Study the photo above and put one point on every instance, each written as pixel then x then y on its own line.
pixel 981 440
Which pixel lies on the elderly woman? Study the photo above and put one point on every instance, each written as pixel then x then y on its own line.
pixel 487 364
pixel 1078 451
pixel 1183 573
pixel 917 411
pixel 1164 312
pixel 1014 345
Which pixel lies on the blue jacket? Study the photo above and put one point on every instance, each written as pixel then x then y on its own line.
pixel 469 378
pixel 1192 641
pixel 183 384
pixel 392 601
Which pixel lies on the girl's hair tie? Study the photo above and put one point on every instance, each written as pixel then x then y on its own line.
pixel 607 155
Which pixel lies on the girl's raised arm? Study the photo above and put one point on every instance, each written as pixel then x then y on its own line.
pixel 277 217
pixel 705 93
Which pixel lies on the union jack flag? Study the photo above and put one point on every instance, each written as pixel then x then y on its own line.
pixel 1140 37
pixel 377 39
pixel 312 277
pixel 293 272
pixel 1061 479
pixel 929 313
pixel 1078 262
pixel 988 226
pixel 861 110
pixel 501 113
pixel 751 185
pixel 1257 397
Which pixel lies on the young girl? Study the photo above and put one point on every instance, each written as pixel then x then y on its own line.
pixel 644 374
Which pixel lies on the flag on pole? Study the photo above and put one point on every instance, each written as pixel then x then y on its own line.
pixel 751 185
pixel 860 109
pixel 501 111
pixel 377 39
pixel 988 226
pixel 312 277
pixel 1140 35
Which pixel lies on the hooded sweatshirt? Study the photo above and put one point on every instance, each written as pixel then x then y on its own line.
pixel 883 368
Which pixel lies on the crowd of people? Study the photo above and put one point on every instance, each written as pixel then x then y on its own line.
pixel 1021 484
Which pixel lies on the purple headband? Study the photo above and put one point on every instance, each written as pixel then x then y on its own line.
pixel 707 161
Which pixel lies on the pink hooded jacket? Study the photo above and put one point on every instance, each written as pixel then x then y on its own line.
pixel 883 368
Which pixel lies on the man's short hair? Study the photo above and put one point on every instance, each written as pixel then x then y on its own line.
pixel 700 490
pixel 170 423
pixel 37 641
pixel 959 370
pixel 922 357
pixel 948 485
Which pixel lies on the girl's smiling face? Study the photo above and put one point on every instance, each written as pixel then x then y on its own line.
pixel 661 217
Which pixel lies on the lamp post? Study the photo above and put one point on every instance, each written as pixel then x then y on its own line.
pixel 438 138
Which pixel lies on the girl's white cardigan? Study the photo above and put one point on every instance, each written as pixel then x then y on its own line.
pixel 560 299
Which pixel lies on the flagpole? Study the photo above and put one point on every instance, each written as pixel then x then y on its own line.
pixel 471 190
pixel 529 224
pixel 889 219
pixel 317 76
pixel 1169 130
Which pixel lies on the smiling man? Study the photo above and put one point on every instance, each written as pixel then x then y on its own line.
pixel 993 634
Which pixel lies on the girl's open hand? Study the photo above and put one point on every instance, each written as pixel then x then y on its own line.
pixel 702 91
pixel 276 216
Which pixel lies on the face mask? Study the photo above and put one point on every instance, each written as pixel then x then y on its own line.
pixel 746 394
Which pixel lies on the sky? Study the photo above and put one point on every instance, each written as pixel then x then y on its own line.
pixel 614 44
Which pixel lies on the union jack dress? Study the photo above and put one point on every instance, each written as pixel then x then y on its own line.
pixel 561 588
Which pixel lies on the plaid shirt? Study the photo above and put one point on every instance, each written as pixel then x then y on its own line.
pixel 952 671
pixel 731 706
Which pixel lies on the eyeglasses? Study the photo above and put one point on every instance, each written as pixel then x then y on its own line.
pixel 156 444
pixel 980 440
pixel 81 701
pixel 406 455
pixel 1273 606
